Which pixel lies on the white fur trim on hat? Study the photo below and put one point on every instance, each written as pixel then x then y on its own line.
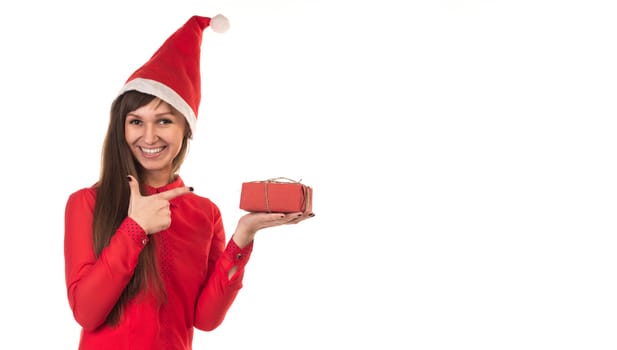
pixel 166 94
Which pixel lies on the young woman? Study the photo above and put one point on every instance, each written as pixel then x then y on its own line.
pixel 146 258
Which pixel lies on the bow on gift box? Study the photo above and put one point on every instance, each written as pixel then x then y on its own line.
pixel 279 194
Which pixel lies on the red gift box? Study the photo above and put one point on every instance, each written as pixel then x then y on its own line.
pixel 278 195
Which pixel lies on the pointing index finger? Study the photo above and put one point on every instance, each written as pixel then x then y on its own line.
pixel 175 192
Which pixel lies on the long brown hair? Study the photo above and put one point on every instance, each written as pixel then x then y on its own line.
pixel 112 199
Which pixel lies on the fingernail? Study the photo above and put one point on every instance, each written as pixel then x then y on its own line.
pixel 191 189
pixel 129 177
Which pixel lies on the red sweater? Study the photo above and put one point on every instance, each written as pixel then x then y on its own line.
pixel 194 264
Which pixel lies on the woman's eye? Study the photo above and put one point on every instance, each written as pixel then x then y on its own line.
pixel 165 121
pixel 135 122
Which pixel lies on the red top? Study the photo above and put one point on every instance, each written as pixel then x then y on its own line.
pixel 194 264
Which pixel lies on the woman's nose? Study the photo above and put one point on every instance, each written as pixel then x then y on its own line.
pixel 150 135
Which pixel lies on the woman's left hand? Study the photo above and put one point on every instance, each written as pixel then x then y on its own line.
pixel 250 223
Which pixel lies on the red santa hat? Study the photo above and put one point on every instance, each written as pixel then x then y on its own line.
pixel 173 72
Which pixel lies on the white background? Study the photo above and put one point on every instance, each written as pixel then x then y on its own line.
pixel 462 155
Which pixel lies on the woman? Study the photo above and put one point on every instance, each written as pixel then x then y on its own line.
pixel 146 259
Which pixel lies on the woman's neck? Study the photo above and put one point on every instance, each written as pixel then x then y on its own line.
pixel 158 179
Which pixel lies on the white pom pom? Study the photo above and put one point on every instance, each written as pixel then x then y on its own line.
pixel 219 24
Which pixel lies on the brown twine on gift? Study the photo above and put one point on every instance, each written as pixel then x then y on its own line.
pixel 307 199
pixel 276 180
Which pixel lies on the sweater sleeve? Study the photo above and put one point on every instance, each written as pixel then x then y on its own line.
pixel 95 284
pixel 219 291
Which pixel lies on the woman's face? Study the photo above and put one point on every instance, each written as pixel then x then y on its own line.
pixel 154 134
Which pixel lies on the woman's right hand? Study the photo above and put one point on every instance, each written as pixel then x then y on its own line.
pixel 152 212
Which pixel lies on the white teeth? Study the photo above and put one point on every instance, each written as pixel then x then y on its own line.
pixel 152 150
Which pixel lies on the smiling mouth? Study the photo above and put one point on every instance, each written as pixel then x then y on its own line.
pixel 152 151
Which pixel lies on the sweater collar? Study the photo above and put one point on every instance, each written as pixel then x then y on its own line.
pixel 177 182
